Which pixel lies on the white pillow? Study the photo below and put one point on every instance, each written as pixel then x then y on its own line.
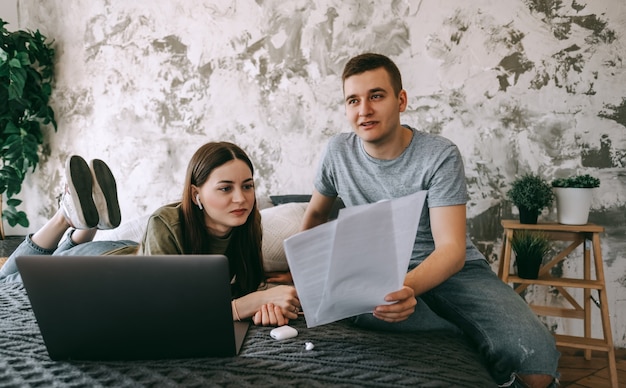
pixel 279 223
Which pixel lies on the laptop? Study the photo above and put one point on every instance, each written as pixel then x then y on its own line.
pixel 133 307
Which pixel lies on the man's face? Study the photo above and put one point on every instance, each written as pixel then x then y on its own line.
pixel 372 106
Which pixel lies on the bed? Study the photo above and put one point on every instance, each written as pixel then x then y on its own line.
pixel 342 356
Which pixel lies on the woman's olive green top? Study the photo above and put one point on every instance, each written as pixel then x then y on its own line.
pixel 164 235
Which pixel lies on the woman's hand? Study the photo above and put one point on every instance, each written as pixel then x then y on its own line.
pixel 403 305
pixel 280 304
pixel 273 306
pixel 285 297
pixel 270 315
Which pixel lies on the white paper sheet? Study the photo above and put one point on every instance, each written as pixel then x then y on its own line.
pixel 345 267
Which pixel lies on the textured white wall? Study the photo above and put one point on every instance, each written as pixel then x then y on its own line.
pixel 519 86
pixel 8 13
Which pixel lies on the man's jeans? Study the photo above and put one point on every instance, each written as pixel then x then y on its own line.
pixel 505 330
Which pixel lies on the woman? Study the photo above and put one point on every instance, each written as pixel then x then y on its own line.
pixel 218 214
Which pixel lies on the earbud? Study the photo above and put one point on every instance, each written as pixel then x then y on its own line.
pixel 198 201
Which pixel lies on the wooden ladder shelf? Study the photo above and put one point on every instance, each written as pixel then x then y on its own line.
pixel 589 237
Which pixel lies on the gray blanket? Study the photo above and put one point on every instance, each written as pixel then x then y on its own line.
pixel 343 356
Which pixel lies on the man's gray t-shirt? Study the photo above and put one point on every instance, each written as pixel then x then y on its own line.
pixel 430 162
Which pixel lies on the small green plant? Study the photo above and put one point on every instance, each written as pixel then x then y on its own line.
pixel 527 244
pixel 577 181
pixel 531 192
pixel 26 73
pixel 530 248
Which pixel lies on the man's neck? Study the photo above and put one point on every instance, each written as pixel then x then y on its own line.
pixel 391 147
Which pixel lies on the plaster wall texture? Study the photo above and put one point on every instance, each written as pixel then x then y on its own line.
pixel 520 86
pixel 8 13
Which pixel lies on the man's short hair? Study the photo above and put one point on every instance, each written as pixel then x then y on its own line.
pixel 370 61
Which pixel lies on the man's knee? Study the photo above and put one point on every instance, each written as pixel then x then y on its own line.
pixel 535 360
pixel 536 381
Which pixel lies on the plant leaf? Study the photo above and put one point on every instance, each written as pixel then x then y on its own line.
pixel 26 75
pixel 15 63
pixel 17 81
pixel 14 202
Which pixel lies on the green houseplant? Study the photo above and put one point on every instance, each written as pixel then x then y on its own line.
pixel 26 73
pixel 585 181
pixel 573 198
pixel 530 248
pixel 531 194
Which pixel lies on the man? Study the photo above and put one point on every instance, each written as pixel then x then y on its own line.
pixel 382 159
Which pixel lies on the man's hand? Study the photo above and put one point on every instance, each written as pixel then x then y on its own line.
pixel 403 305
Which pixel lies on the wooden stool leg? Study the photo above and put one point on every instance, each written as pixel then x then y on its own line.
pixel 1 222
pixel 505 261
pixel 587 293
pixel 604 309
pixel 501 257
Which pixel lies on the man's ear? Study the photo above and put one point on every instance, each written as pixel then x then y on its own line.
pixel 402 100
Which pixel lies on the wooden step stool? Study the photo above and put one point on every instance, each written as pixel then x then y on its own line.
pixel 589 236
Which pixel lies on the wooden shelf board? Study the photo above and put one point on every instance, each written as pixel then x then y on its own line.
pixel 583 342
pixel 556 282
pixel 558 312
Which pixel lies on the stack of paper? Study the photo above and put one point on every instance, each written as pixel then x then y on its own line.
pixel 346 267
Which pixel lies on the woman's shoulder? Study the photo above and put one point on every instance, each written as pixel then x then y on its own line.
pixel 169 213
pixel 163 232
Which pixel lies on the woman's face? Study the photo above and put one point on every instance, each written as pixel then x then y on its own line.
pixel 227 197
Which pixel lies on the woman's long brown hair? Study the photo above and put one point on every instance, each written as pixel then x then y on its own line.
pixel 244 250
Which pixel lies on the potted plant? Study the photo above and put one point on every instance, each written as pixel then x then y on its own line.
pixel 530 248
pixel 573 198
pixel 26 72
pixel 531 194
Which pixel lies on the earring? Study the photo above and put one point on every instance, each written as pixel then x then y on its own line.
pixel 198 201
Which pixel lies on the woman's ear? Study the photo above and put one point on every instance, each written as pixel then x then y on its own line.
pixel 198 201
pixel 195 193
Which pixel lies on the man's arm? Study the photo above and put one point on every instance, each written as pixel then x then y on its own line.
pixel 317 211
pixel 448 228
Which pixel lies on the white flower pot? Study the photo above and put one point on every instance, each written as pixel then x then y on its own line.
pixel 573 204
